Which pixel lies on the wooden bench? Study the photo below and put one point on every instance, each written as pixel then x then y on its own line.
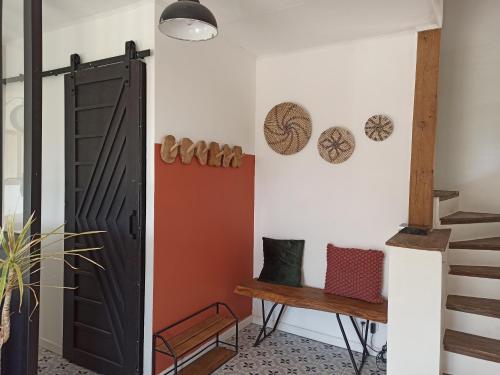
pixel 315 299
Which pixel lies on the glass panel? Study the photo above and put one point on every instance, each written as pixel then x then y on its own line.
pixel 13 110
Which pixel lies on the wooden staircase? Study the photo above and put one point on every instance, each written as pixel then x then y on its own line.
pixel 481 314
pixel 472 305
pixel 472 345
pixel 476 271
pixel 492 243
pixel 461 217
pixel 444 195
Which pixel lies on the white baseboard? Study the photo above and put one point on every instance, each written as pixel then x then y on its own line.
pixel 314 335
pixel 223 336
pixel 50 345
pixel 241 325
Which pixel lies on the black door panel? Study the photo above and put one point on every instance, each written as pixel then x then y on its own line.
pixel 105 155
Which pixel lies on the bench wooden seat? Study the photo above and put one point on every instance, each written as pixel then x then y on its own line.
pixel 314 299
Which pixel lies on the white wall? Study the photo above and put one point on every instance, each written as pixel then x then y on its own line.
pixel 205 91
pixel 415 311
pixel 93 38
pixel 468 143
pixel 356 204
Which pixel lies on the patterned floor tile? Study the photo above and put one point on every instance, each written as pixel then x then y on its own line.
pixel 50 363
pixel 280 354
pixel 286 354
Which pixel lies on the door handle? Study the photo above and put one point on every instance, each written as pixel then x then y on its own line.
pixel 132 224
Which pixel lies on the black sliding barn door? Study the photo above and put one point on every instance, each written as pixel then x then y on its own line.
pixel 105 175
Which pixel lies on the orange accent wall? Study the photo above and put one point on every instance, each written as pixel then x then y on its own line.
pixel 204 221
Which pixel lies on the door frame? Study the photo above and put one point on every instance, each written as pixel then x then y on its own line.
pixel 20 355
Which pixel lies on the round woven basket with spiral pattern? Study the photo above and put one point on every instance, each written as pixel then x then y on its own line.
pixel 287 128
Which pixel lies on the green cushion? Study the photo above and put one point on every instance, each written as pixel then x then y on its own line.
pixel 282 262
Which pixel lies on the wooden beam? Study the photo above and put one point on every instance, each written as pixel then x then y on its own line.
pixel 424 129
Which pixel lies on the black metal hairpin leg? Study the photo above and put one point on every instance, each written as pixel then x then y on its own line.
pixel 362 340
pixel 263 334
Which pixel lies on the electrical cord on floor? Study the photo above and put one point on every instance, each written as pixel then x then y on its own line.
pixel 370 345
pixel 381 359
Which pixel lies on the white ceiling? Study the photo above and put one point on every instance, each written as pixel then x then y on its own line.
pixel 56 13
pixel 265 26
pixel 279 26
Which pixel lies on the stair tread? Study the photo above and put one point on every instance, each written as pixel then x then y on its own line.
pixel 444 195
pixel 492 243
pixel 209 362
pixel 476 271
pixel 462 217
pixel 196 335
pixel 472 345
pixel 473 305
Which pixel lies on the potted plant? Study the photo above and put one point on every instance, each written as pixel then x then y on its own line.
pixel 22 255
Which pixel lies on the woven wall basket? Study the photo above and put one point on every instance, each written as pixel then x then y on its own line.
pixel 287 128
pixel 336 145
pixel 379 128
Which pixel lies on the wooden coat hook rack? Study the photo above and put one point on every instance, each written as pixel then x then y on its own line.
pixel 213 154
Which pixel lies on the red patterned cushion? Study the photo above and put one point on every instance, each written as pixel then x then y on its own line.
pixel 355 273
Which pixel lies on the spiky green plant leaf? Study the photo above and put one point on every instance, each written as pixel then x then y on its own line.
pixel 20 283
pixel 24 254
pixel 3 279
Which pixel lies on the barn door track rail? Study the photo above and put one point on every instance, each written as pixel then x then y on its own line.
pixel 130 54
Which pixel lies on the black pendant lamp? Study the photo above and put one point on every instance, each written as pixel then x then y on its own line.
pixel 188 20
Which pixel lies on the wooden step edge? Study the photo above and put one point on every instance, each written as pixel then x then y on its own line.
pixel 472 305
pixel 208 362
pixel 472 345
pixel 203 336
pixel 492 243
pixel 462 217
pixel 485 272
pixel 436 240
pixel 445 195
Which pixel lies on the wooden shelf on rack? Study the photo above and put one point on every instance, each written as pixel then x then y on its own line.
pixel 209 362
pixel 193 337
pixel 186 348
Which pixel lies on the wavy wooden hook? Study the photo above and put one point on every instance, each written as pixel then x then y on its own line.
pixel 201 151
pixel 212 154
pixel 169 149
pixel 187 150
